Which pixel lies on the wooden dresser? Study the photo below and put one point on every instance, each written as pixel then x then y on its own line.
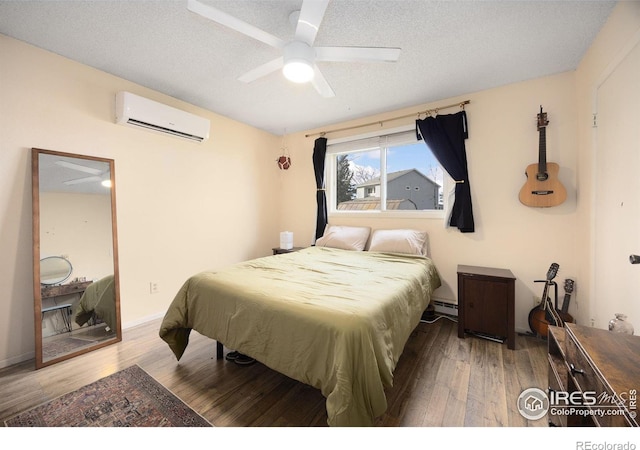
pixel 594 377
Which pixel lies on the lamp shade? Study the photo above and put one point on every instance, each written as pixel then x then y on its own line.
pixel 298 62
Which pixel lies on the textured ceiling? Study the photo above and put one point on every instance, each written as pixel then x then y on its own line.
pixel 449 48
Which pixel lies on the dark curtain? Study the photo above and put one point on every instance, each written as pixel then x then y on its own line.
pixel 445 136
pixel 319 152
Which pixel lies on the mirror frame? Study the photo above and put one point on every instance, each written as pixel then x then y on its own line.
pixel 37 287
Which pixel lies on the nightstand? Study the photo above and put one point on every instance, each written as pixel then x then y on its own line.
pixel 486 303
pixel 279 251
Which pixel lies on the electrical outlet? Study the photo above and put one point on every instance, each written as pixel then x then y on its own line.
pixel 536 300
pixel 154 287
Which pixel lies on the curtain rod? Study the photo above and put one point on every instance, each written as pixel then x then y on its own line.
pixel 427 112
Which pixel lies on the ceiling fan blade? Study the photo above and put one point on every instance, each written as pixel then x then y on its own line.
pixel 238 25
pixel 78 167
pixel 357 54
pixel 262 70
pixel 82 180
pixel 320 83
pixel 311 15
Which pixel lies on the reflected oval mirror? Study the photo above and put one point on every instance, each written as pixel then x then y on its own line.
pixel 54 270
pixel 74 219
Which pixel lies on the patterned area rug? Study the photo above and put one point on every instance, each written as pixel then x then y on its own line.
pixel 62 346
pixel 129 398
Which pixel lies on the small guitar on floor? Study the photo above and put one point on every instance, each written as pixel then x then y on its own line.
pixel 545 314
pixel 542 189
pixel 564 310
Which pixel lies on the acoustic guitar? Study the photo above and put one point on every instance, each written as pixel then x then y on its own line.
pixel 545 314
pixel 568 289
pixel 542 188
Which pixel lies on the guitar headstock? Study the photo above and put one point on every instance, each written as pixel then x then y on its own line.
pixel 568 285
pixel 553 271
pixel 542 119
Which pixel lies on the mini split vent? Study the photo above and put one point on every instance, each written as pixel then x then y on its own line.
pixel 141 112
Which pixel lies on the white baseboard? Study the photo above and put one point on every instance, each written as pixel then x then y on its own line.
pixel 31 355
pixel 17 359
pixel 451 309
pixel 142 320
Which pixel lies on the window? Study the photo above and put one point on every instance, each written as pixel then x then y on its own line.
pixel 390 174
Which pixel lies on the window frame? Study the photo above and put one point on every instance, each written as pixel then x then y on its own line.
pixel 331 175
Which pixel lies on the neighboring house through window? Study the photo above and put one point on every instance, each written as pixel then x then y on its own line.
pixel 391 173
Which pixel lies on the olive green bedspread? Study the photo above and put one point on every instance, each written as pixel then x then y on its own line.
pixel 334 319
pixel 100 299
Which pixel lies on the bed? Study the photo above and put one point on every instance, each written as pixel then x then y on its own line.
pixel 98 301
pixel 334 318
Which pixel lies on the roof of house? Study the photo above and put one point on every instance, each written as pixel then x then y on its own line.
pixel 392 176
pixel 373 203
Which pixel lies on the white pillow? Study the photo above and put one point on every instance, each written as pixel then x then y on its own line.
pixel 343 237
pixel 399 241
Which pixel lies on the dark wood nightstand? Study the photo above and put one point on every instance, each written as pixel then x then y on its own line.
pixel 279 251
pixel 486 303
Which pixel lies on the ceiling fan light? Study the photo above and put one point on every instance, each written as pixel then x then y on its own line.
pixel 298 71
pixel 298 62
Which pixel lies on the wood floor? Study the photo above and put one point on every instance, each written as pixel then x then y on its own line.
pixel 440 381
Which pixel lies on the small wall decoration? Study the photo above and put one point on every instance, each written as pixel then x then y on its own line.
pixel 284 162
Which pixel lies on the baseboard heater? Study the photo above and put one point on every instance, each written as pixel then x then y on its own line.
pixel 450 309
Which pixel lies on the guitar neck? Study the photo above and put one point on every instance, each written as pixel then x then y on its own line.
pixel 565 303
pixel 550 310
pixel 545 295
pixel 542 151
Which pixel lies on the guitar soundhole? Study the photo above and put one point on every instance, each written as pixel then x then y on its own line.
pixel 542 176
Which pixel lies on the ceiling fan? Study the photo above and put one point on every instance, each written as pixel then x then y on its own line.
pixel 96 175
pixel 299 56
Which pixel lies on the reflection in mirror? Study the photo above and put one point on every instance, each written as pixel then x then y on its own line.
pixel 76 294
pixel 54 270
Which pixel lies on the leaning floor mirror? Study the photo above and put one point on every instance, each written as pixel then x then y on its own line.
pixel 75 255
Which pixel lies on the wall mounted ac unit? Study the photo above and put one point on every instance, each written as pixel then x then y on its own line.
pixel 138 111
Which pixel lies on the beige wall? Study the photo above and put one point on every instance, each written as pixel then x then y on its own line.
pixel 503 140
pixel 78 226
pixel 182 207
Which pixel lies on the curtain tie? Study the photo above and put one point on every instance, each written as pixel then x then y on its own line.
pixel 459 181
